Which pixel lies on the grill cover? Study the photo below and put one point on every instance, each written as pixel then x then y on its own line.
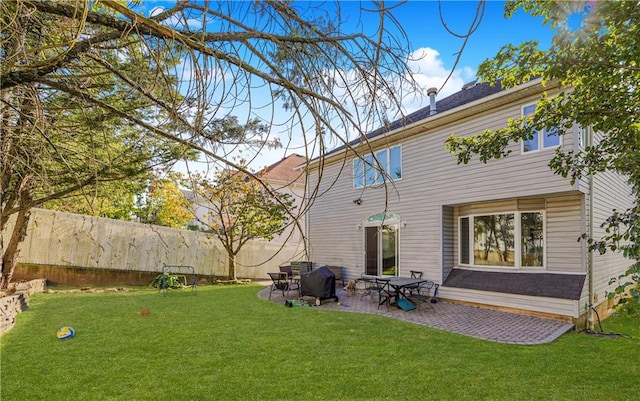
pixel 319 283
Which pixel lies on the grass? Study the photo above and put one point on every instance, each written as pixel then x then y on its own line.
pixel 227 344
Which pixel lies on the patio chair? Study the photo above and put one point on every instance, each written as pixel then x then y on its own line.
pixel 287 269
pixel 385 294
pixel 294 279
pixel 413 287
pixel 422 295
pixel 368 284
pixel 377 289
pixel 280 282
pixel 302 267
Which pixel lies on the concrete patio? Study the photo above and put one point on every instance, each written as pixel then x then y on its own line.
pixel 487 324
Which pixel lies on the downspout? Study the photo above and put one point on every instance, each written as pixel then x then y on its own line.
pixel 305 237
pixel 590 322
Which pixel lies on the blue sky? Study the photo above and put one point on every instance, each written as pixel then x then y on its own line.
pixel 422 24
pixel 429 38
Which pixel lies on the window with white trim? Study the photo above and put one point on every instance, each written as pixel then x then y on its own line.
pixel 366 171
pixel 542 139
pixel 512 240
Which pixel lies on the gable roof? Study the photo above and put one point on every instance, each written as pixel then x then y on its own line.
pixel 469 93
pixel 286 170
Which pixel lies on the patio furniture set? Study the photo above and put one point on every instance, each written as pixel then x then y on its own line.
pixel 407 293
pixel 319 283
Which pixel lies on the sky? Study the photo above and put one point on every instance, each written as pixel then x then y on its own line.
pixel 422 23
pixel 428 37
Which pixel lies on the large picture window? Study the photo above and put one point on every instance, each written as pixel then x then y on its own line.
pixel 366 171
pixel 541 139
pixel 512 240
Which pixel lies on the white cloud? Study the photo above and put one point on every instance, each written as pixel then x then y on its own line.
pixel 428 70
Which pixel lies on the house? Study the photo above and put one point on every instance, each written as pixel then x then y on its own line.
pixel 499 235
pixel 284 177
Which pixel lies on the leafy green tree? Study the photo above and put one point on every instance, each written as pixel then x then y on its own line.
pixel 597 64
pixel 239 209
pixel 165 205
pixel 58 147
pixel 112 200
pixel 95 92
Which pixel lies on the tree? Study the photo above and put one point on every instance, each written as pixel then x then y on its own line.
pixel 55 144
pixel 95 92
pixel 597 65
pixel 165 205
pixel 239 209
pixel 112 200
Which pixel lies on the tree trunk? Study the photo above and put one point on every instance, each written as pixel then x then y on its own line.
pixel 487 244
pixel 232 266
pixel 11 252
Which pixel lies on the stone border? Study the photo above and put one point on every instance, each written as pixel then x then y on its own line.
pixel 17 301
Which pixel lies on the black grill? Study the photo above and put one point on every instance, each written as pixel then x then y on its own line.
pixel 319 283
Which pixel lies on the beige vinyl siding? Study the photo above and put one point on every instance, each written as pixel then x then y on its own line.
pixel 583 183
pixel 531 204
pixel 449 243
pixel 553 306
pixel 334 236
pixel 565 254
pixel 431 179
pixel 610 192
pixel 420 242
pixel 428 167
pixel 334 221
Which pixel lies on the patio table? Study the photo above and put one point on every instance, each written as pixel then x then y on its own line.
pixel 398 283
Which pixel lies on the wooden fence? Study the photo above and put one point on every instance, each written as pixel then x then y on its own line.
pixel 78 241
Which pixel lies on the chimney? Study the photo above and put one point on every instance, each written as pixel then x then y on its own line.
pixel 432 100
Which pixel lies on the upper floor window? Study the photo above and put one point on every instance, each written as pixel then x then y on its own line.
pixel 541 139
pixel 370 170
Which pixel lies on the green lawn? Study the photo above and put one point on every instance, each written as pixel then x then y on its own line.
pixel 227 344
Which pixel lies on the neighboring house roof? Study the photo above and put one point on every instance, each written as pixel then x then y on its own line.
pixel 286 170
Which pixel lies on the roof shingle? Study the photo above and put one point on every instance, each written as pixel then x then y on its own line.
pixel 468 94
pixel 565 286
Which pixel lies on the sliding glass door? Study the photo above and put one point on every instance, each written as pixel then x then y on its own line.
pixel 381 250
